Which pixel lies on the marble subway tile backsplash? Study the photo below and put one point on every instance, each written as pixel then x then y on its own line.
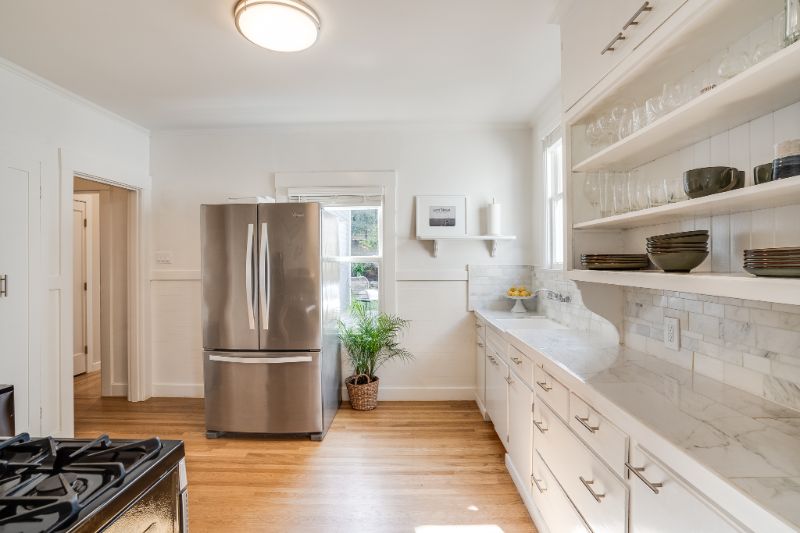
pixel 571 313
pixel 488 285
pixel 750 345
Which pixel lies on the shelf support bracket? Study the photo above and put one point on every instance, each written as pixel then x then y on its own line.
pixel 435 248
pixel 494 248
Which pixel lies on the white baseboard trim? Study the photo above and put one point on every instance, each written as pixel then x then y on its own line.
pixel 421 394
pixel 177 390
pixel 119 389
pixel 94 367
pixel 525 493
pixel 78 363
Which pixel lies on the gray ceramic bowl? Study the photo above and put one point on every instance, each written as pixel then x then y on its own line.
pixel 677 261
pixel 701 182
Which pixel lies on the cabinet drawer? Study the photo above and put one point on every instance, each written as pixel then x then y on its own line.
pixel 480 330
pixel 556 509
pixel 600 497
pixel 552 392
pixel 495 341
pixel 521 365
pixel 603 437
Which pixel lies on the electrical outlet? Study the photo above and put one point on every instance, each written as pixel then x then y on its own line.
pixel 163 258
pixel 672 333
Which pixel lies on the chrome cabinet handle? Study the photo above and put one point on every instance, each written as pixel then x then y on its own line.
pixel 545 387
pixel 610 46
pixel 638 471
pixel 492 359
pixel 517 360
pixel 585 423
pixel 632 21
pixel 588 484
pixel 536 482
pixel 481 344
pixel 539 426
pixel 264 275
pixel 478 325
pixel 3 285
pixel 248 277
pixel 509 381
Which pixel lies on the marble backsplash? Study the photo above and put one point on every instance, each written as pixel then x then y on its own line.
pixel 488 284
pixel 751 345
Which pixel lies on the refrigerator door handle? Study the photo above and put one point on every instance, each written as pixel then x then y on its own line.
pixel 248 277
pixel 260 360
pixel 263 276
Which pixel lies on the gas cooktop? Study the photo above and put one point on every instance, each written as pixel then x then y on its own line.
pixel 48 484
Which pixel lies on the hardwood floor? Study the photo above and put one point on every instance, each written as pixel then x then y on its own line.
pixel 395 469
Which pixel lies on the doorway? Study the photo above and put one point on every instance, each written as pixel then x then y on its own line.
pixel 101 253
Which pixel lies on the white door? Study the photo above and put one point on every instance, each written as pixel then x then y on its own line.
pixel 79 304
pixel 16 190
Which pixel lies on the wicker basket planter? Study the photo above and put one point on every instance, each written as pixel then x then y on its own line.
pixel 363 396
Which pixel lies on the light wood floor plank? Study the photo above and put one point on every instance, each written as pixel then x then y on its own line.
pixel 395 469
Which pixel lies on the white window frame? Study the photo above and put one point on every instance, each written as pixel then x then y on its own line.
pixel 554 195
pixel 387 181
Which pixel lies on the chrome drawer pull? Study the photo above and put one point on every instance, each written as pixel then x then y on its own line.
pixel 585 423
pixel 536 482
pixel 517 360
pixel 638 471
pixel 539 426
pixel 509 381
pixel 480 344
pixel 632 21
pixel 545 387
pixel 610 46
pixel 588 485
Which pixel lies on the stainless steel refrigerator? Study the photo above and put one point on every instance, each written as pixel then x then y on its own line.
pixel 271 357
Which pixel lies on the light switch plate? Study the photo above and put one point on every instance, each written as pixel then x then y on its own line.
pixel 163 258
pixel 672 333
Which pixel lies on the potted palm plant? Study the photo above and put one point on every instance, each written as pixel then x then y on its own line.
pixel 370 340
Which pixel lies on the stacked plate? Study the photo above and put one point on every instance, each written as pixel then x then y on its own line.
pixel 614 261
pixel 773 262
pixel 678 252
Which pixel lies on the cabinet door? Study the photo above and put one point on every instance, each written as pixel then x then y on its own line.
pixel 497 394
pixel 480 372
pixel 520 425
pixel 661 502
pixel 587 31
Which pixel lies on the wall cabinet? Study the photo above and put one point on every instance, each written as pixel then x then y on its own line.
pixel 661 502
pixel 594 41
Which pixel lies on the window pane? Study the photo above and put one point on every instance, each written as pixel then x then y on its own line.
pixel 558 232
pixel 359 230
pixel 362 285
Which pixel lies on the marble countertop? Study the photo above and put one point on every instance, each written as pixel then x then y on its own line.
pixel 751 443
pixel 490 315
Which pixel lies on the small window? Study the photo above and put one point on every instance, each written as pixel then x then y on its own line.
pixel 554 193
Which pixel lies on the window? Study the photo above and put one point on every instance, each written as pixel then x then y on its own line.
pixel 554 193
pixel 359 253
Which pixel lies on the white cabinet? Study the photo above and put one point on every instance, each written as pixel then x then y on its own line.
pixel 520 426
pixel 661 502
pixel 595 40
pixel 497 393
pixel 480 367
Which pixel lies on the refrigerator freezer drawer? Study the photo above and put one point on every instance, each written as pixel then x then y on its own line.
pixel 260 392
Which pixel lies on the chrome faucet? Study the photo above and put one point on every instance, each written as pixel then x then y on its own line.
pixel 553 295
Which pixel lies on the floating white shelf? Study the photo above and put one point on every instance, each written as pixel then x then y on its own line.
pixel 771 194
pixel 743 286
pixel 765 87
pixel 493 238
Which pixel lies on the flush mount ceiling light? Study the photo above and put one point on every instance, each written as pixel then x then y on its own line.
pixel 279 25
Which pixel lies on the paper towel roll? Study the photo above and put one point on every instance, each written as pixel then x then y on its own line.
pixel 494 218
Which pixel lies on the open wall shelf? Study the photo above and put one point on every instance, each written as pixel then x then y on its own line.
pixel 743 286
pixel 494 239
pixel 767 86
pixel 772 194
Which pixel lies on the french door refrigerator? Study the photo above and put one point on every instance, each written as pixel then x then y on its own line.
pixel 271 358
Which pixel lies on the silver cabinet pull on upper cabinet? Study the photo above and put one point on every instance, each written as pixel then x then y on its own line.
pixel 632 21
pixel 3 285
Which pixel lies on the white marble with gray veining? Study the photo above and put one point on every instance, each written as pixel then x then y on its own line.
pixel 748 441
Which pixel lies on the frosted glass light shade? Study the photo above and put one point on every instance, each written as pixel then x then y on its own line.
pixel 278 25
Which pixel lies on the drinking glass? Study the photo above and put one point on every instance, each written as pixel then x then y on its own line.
pixel 657 192
pixel 654 108
pixel 606 194
pixel 622 199
pixel 638 119
pixel 640 198
pixel 674 188
pixel 592 189
pixel 792 22
pixel 733 62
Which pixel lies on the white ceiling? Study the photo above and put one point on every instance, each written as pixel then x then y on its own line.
pixel 182 64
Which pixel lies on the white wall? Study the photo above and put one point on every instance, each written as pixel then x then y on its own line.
pixel 60 134
pixel 191 168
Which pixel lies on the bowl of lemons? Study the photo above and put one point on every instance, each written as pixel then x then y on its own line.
pixel 519 293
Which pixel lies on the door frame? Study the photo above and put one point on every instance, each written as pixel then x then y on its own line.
pixel 88 352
